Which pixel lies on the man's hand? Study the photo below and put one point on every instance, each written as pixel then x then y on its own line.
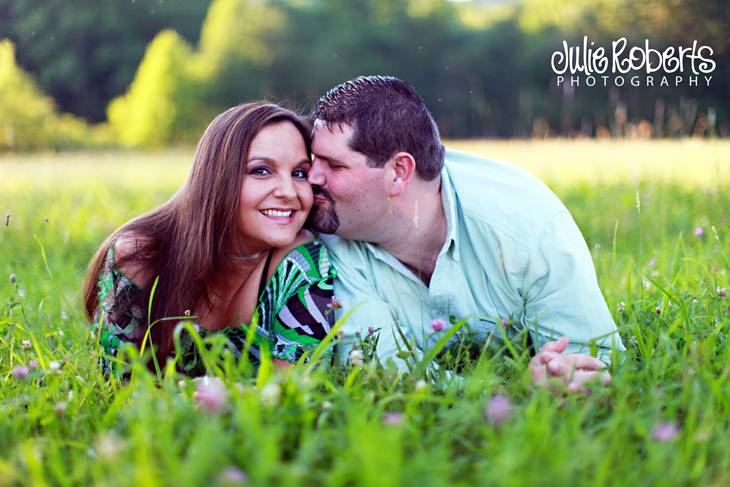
pixel 572 369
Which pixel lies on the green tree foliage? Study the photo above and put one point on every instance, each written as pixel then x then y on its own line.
pixel 159 107
pixel 85 52
pixel 483 68
pixel 235 52
pixel 28 118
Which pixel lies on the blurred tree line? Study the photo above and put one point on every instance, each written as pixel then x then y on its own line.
pixel 155 72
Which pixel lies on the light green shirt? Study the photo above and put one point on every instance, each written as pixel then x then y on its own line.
pixel 512 251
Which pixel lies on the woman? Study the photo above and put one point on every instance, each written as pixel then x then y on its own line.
pixel 227 249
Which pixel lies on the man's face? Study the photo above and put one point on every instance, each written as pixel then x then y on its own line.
pixel 350 197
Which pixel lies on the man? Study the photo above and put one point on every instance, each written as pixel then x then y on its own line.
pixel 472 238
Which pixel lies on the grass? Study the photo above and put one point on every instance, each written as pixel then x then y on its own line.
pixel 638 205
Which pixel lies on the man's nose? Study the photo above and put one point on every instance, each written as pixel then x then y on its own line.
pixel 316 173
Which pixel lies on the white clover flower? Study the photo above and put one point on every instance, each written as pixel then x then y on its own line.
pixel 356 357
pixel 271 394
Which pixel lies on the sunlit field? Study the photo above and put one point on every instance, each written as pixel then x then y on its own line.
pixel 656 216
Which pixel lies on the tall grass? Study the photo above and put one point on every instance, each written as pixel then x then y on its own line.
pixel 663 279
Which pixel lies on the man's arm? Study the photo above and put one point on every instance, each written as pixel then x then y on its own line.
pixel 562 299
pixel 368 311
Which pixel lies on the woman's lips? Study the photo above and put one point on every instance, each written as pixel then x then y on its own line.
pixel 279 216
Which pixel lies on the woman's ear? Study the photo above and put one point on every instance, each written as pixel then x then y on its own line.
pixel 401 171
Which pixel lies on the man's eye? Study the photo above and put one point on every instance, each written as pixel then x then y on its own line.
pixel 300 173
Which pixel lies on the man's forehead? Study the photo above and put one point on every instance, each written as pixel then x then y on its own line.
pixel 331 139
pixel 337 129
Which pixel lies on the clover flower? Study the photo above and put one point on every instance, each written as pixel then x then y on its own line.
pixel 210 394
pixel 21 372
pixel 664 431
pixel 393 419
pixel 59 408
pixel 497 410
pixel 438 325
pixel 233 475
pixel 334 304
pixel 271 394
pixel 699 232
pixel 356 357
pixel 26 344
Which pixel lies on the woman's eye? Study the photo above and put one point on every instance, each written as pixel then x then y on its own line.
pixel 300 173
pixel 260 171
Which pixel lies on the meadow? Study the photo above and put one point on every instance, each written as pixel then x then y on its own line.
pixel 656 216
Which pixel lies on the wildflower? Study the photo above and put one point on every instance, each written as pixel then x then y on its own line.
pixel 32 364
pixel 497 410
pixel 21 372
pixel 26 344
pixel 421 385
pixel 334 304
pixel 54 366
pixel 108 446
pixel 621 306
pixel 721 292
pixel 438 325
pixel 664 431
pixel 652 263
pixel 356 357
pixel 371 330
pixel 270 394
pixel 13 278
pixel 699 231
pixel 181 384
pixel 210 394
pixel 59 408
pixel 232 475
pixel 393 419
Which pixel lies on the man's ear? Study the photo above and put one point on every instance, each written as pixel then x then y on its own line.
pixel 401 171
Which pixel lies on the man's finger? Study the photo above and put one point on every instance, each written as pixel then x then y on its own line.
pixel 583 378
pixel 581 361
pixel 545 357
pixel 558 346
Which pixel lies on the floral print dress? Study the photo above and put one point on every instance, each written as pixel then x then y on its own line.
pixel 294 312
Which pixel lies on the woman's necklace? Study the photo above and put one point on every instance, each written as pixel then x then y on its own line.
pixel 247 257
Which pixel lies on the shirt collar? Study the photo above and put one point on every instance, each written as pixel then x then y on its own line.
pixel 448 200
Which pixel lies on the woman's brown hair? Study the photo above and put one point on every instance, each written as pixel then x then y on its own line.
pixel 188 240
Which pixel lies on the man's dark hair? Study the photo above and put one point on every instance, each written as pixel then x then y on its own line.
pixel 387 116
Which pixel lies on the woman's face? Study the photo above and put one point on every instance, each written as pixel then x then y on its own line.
pixel 275 196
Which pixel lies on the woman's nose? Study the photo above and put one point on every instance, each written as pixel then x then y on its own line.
pixel 285 188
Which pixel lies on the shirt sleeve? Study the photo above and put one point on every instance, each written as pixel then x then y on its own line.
pixel 119 317
pixel 561 292
pixel 305 314
pixel 368 312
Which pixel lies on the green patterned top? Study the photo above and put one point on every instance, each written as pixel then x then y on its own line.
pixel 295 311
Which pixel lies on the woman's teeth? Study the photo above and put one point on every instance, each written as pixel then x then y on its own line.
pixel 277 213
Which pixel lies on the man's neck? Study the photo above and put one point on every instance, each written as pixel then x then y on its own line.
pixel 420 235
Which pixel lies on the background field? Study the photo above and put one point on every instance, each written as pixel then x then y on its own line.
pixel 655 214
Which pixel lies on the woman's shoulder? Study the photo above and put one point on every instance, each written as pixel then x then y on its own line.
pixel 306 252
